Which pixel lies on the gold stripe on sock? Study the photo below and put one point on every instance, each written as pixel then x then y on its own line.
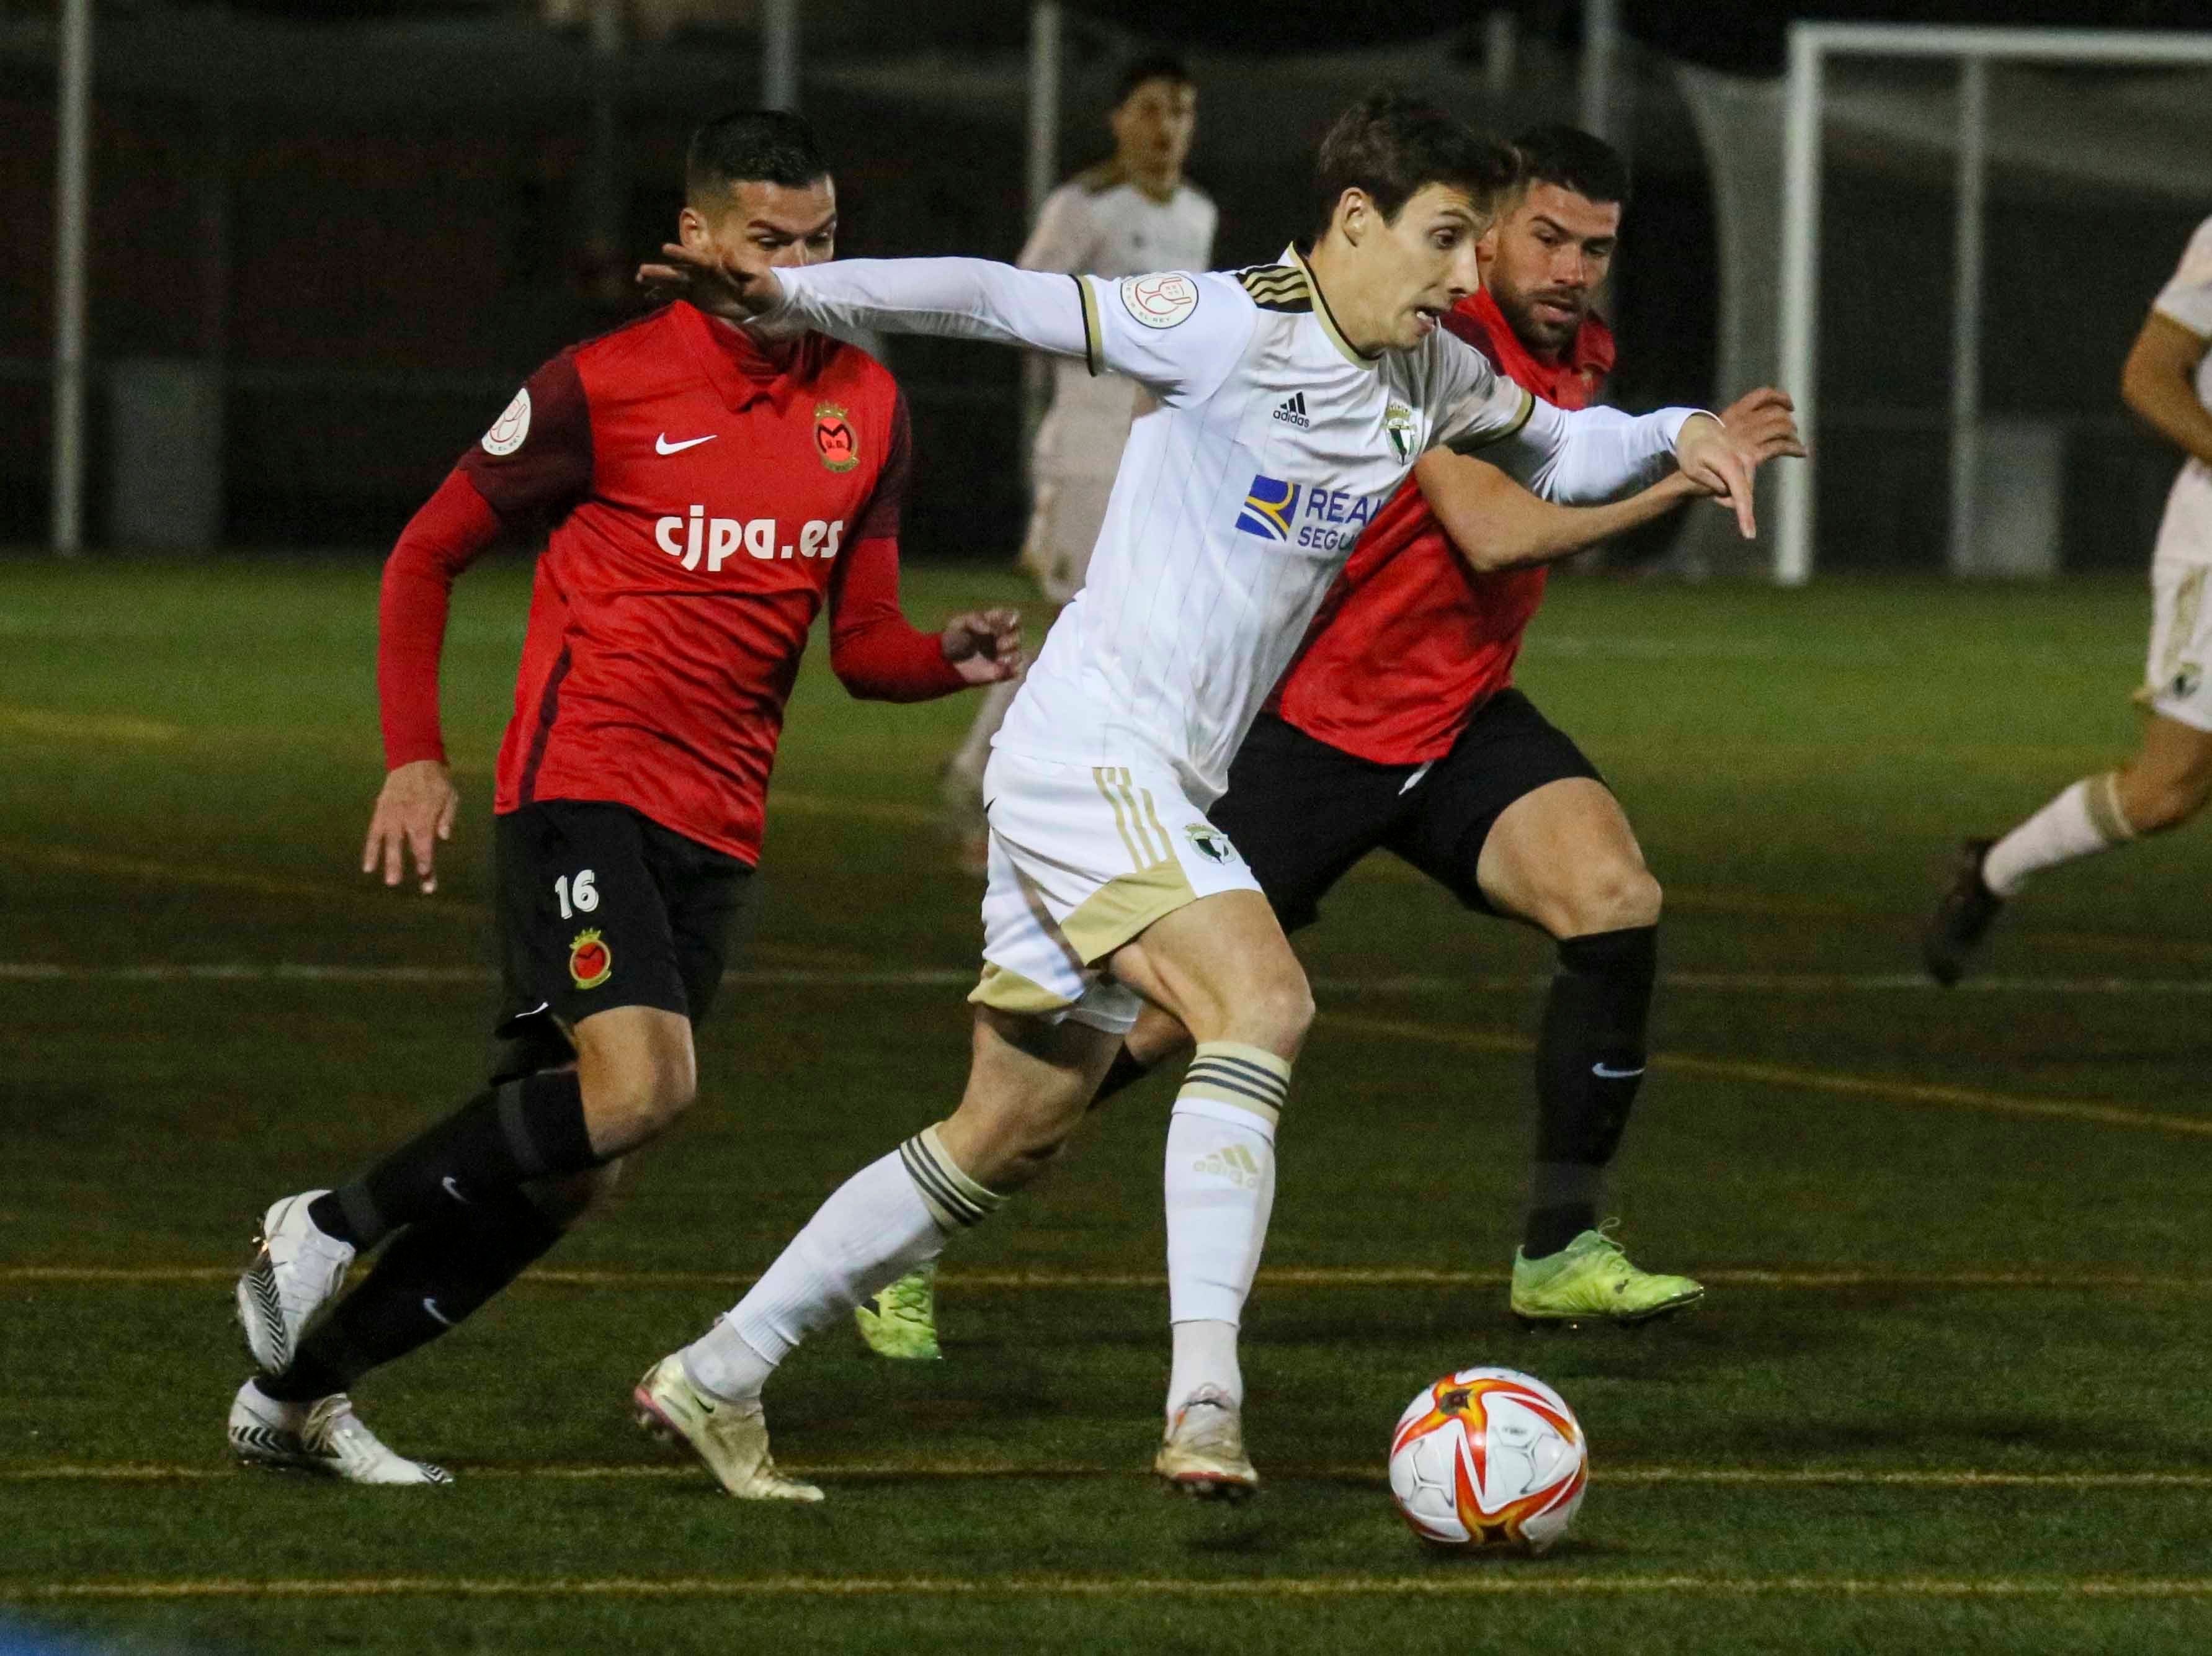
pixel 2101 794
pixel 1247 1078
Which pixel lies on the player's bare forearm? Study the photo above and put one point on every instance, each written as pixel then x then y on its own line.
pixel 1496 525
pixel 2160 383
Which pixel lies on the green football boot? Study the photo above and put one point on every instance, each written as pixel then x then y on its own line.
pixel 900 1322
pixel 1591 1280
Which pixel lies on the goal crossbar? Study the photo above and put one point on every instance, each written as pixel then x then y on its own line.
pixel 1811 45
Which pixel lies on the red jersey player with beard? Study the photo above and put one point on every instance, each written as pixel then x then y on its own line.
pixel 706 495
pixel 1397 728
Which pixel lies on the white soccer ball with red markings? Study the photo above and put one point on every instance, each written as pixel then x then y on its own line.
pixel 1488 1458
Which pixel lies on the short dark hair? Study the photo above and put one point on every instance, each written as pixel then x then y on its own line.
pixel 1390 144
pixel 1157 66
pixel 1574 159
pixel 747 146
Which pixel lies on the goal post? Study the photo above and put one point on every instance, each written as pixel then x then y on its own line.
pixel 1813 48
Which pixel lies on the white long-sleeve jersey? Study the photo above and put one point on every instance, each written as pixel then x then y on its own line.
pixel 1100 223
pixel 1241 494
pixel 2186 532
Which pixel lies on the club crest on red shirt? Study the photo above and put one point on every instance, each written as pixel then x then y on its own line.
pixel 835 440
pixel 591 962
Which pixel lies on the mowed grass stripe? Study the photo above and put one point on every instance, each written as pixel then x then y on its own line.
pixel 1288 1276
pixel 1474 1583
pixel 2087 1111
pixel 1612 1477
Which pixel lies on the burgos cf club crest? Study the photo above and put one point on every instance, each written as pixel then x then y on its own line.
pixel 591 962
pixel 1269 509
pixel 1213 844
pixel 1398 421
pixel 835 440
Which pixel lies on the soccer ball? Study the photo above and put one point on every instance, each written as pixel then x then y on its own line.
pixel 1489 1459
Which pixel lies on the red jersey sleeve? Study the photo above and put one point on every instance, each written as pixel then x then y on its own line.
pixel 451 531
pixel 536 461
pixel 879 519
pixel 876 652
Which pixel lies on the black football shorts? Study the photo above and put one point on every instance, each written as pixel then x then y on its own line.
pixel 1302 812
pixel 598 907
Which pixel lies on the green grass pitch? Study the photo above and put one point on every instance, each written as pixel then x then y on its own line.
pixel 1948 1391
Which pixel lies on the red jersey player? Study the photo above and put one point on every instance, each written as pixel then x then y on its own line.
pixel 706 494
pixel 1398 729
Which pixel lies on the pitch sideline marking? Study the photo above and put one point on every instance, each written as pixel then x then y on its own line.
pixel 1288 1276
pixel 1815 1081
pixel 1723 983
pixel 1501 1584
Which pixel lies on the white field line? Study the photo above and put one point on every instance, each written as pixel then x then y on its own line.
pixel 2049 1280
pixel 1508 1582
pixel 1718 982
pixel 952 1471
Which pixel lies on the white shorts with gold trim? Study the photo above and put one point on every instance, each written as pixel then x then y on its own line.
pixel 1082 858
pixel 2176 684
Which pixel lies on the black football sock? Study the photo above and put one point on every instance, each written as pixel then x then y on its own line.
pixel 433 1277
pixel 1589 1060
pixel 1126 1070
pixel 513 1133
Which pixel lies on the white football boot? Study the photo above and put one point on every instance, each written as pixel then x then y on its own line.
pixel 323 1436
pixel 1203 1453
pixel 296 1268
pixel 730 1438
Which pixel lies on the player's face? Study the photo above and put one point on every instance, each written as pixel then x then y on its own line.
pixel 1553 253
pixel 1154 126
pixel 788 227
pixel 1418 265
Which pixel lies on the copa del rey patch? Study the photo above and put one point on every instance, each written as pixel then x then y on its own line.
pixel 508 430
pixel 591 962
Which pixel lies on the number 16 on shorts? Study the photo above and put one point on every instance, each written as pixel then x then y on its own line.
pixel 579 895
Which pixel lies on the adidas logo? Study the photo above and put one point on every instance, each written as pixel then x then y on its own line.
pixel 1291 411
pixel 1236 1163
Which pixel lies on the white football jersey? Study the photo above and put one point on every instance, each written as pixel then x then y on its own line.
pixel 2187 299
pixel 1240 494
pixel 1101 224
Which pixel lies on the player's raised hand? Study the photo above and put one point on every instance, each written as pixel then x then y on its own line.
pixel 1764 424
pixel 414 811
pixel 1711 460
pixel 736 286
pixel 985 646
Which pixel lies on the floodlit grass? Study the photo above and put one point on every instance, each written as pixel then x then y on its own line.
pixel 1948 1391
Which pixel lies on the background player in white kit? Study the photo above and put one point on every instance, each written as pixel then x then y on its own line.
pixel 1125 216
pixel 1293 401
pixel 2168 382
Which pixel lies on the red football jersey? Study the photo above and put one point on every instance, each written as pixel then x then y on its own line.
pixel 1410 640
pixel 706 498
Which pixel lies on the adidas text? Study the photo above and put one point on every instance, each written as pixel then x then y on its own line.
pixel 1291 411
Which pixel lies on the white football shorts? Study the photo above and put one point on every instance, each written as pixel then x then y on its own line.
pixel 1082 858
pixel 2175 683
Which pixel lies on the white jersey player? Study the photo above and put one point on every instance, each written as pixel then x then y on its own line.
pixel 1132 214
pixel 2168 382
pixel 1293 401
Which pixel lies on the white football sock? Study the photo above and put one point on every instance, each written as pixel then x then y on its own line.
pixel 2084 818
pixel 893 1214
pixel 975 753
pixel 1220 1188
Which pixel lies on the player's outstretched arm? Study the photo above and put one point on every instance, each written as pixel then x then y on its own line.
pixel 877 655
pixel 1496 525
pixel 2160 383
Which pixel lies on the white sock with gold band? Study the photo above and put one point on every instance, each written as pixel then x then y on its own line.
pixel 1220 1188
pixel 2086 818
pixel 894 1214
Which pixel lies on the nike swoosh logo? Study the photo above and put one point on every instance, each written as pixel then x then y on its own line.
pixel 662 446
pixel 454 1191
pixel 1603 1074
pixel 444 1321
